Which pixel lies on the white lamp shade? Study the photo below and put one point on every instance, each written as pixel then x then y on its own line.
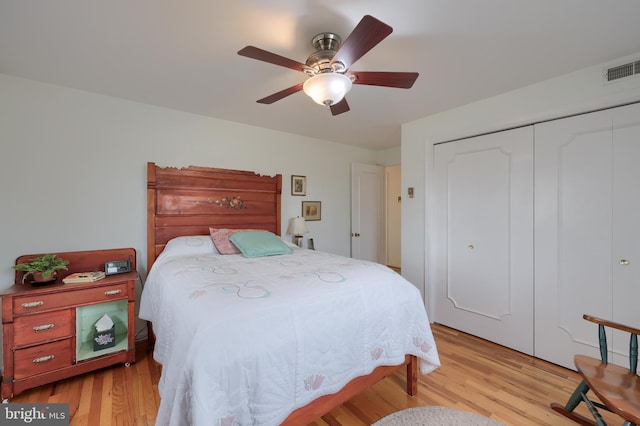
pixel 297 226
pixel 327 88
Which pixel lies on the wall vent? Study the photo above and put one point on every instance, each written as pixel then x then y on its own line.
pixel 622 71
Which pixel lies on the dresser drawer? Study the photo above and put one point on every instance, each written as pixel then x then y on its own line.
pixel 73 297
pixel 40 328
pixel 42 358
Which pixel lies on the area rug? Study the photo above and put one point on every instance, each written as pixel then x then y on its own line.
pixel 435 416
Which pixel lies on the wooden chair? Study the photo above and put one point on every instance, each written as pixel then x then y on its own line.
pixel 617 388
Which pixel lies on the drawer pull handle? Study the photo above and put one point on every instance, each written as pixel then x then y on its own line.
pixel 112 292
pixel 32 304
pixel 43 327
pixel 43 359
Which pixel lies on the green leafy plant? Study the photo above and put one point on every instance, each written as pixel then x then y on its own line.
pixel 46 265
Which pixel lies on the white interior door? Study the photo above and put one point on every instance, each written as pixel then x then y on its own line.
pixel 367 210
pixel 587 233
pixel 626 224
pixel 573 234
pixel 484 237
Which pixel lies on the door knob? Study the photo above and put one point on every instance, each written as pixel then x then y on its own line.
pixel 624 262
pixel 355 234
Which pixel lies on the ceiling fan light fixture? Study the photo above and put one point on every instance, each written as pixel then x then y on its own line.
pixel 327 88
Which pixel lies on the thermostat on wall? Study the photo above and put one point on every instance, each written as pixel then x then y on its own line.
pixel 117 267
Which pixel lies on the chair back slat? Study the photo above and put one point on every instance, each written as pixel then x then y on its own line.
pixel 633 353
pixel 602 334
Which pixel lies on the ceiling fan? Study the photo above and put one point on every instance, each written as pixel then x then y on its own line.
pixel 328 67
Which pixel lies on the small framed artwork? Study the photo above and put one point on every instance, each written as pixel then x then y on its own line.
pixel 298 185
pixel 311 210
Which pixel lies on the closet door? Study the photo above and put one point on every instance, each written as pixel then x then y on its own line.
pixel 626 223
pixel 484 237
pixel 586 229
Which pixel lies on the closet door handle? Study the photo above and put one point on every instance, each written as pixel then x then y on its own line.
pixel 624 262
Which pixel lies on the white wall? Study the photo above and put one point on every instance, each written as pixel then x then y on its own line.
pixel 573 93
pixel 73 169
pixel 389 157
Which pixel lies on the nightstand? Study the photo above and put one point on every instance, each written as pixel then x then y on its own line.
pixel 48 330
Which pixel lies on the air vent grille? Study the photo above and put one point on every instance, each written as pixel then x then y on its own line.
pixel 622 71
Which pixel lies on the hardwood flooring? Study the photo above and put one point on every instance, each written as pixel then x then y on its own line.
pixel 475 375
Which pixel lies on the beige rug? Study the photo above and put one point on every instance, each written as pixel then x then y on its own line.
pixel 435 416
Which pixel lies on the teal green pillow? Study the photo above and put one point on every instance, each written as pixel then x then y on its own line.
pixel 259 244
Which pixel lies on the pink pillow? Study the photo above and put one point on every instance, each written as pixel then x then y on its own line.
pixel 220 238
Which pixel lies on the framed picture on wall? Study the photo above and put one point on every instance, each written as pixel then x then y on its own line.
pixel 311 210
pixel 298 185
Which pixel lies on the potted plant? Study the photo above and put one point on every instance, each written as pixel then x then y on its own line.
pixel 42 269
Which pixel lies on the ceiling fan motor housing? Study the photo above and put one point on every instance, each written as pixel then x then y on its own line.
pixel 326 45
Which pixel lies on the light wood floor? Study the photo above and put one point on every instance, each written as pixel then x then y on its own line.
pixel 476 376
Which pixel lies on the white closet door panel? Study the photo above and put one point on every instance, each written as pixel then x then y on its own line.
pixel 626 222
pixel 478 241
pixel 483 232
pixel 585 220
pixel 573 197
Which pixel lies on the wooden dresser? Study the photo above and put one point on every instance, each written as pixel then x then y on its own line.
pixel 48 331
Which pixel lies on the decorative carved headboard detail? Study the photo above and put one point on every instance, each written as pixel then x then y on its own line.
pixel 188 201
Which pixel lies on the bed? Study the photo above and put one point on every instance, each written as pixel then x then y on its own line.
pixel 271 339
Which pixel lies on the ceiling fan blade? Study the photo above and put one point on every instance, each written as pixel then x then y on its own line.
pixel 340 107
pixel 402 80
pixel 364 37
pixel 280 95
pixel 265 56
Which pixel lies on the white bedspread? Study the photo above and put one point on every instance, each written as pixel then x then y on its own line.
pixel 247 341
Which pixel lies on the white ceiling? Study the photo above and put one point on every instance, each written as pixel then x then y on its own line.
pixel 182 54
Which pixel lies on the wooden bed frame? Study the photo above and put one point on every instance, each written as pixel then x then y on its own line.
pixel 190 200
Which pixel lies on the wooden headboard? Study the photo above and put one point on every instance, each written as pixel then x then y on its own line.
pixel 190 200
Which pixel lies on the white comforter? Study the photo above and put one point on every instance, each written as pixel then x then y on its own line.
pixel 247 341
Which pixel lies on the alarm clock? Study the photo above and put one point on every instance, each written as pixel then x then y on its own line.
pixel 117 267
